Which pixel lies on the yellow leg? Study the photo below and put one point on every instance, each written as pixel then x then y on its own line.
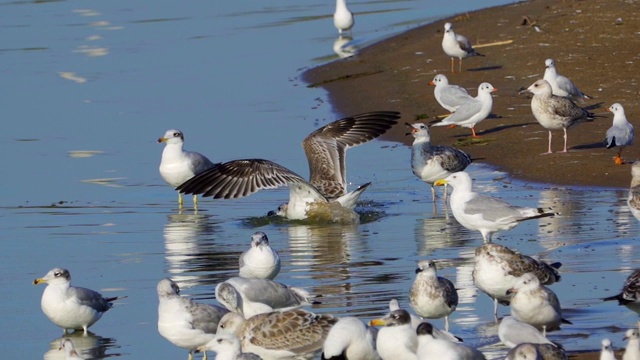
pixel 195 200
pixel 180 200
pixel 460 66
pixel 453 64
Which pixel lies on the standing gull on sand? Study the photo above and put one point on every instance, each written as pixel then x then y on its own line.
pixel 183 322
pixel 456 46
pixel 432 296
pixel 431 162
pixel 326 151
pixel 473 111
pixel 70 307
pixel 178 165
pixel 449 96
pixel 630 294
pixel 632 350
pixel 260 261
pixel 535 304
pixel 485 213
pixel 342 17
pixel 561 85
pixel 555 112
pixel 633 199
pixel 397 339
pixel 606 353
pixel 620 134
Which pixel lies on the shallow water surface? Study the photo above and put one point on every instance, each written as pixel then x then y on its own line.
pixel 92 85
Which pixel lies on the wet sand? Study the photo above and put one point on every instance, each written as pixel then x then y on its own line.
pixel 595 43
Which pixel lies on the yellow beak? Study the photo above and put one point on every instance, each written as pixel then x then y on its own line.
pixel 162 139
pixel 377 322
pixel 39 281
pixel 440 182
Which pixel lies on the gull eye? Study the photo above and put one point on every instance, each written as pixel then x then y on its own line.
pixel 57 273
pixel 176 134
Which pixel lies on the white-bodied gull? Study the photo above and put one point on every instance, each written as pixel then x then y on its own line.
pixel 260 261
pixel 473 111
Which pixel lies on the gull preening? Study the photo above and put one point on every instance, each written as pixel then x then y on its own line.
pixel 178 165
pixel 535 304
pixel 561 85
pixel 184 322
pixel 260 261
pixel 456 46
pixel 342 17
pixel 350 338
pixel 397 339
pixel 513 332
pixel 555 112
pixel 249 297
pixel 325 149
pixel 630 294
pixel 432 162
pixel 432 296
pixel 620 133
pixel 497 268
pixel 633 199
pixel 472 111
pixel 279 335
pixel 70 351
pixel 449 96
pixel 485 213
pixel 70 307
pixel 228 347
pixel 431 348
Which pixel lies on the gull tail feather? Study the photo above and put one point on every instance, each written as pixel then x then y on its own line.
pixel 350 199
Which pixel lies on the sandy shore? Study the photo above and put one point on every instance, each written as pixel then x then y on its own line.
pixel 595 43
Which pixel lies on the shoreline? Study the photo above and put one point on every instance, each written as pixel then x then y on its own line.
pixel 583 38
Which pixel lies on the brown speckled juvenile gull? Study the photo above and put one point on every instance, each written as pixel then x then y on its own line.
pixel 325 149
pixel 433 162
pixel 432 296
pixel 555 112
pixel 630 294
pixel 456 46
pixel 447 95
pixel 561 85
pixel 279 335
pixel 497 268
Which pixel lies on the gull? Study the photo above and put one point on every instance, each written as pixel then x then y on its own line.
pixel 342 17
pixel 555 112
pixel 178 165
pixel 630 294
pixel 352 339
pixel 527 351
pixel 456 46
pixel 68 306
pixel 70 352
pixel 632 351
pixel 432 296
pixel 397 339
pixel 607 351
pixel 560 85
pixel 431 348
pixel 633 199
pixel 415 321
pixel 433 162
pixel 260 261
pixel 513 332
pixel 473 111
pixel 228 347
pixel 185 323
pixel 325 149
pixel 497 268
pixel 279 335
pixel 485 213
pixel 249 297
pixel 535 304
pixel 620 134
pixel 449 96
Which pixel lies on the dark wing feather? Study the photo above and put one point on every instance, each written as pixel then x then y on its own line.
pixel 90 298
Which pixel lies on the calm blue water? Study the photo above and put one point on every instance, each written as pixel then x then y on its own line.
pixel 107 78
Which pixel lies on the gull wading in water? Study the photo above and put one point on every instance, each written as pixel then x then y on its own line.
pixel 555 112
pixel 456 46
pixel 397 339
pixel 432 162
pixel 260 261
pixel 70 307
pixel 430 348
pixel 185 323
pixel 342 17
pixel 561 85
pixel 325 149
pixel 432 296
pixel 620 134
pixel 473 111
pixel 178 165
pixel 485 213
pixel 450 97
pixel 513 332
pixel 630 294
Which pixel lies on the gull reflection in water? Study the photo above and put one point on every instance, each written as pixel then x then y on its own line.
pixel 344 47
pixel 188 246
pixel 88 346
